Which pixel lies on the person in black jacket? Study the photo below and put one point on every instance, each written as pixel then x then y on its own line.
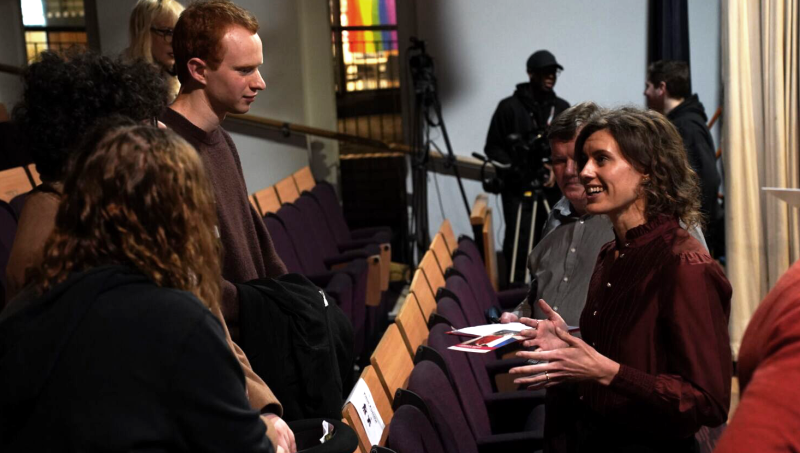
pixel 120 352
pixel 668 91
pixel 528 112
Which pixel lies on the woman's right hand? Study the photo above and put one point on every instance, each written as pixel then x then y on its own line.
pixel 543 335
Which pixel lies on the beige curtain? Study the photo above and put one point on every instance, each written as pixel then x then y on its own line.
pixel 760 147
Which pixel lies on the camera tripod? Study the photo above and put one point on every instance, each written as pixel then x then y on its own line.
pixel 535 195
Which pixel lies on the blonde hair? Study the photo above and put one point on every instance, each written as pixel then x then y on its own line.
pixel 140 37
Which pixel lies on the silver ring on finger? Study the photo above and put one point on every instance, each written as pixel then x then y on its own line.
pixel 547 376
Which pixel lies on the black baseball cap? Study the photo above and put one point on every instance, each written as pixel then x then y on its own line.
pixel 542 59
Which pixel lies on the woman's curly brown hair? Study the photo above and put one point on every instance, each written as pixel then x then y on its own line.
pixel 138 196
pixel 649 142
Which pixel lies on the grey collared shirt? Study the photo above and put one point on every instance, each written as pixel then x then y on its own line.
pixel 564 260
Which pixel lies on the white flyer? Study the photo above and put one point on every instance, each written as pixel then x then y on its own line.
pixel 362 400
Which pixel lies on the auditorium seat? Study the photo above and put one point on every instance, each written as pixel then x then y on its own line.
pixel 463 294
pixel 421 291
pixel 441 252
pixel 342 286
pixel 326 196
pixel 391 363
pixel 485 367
pixel 475 273
pixel 345 239
pixel 333 255
pixel 446 229
pixel 8 229
pixel 304 179
pixel 516 415
pixel 17 203
pixel 266 201
pixel 412 325
pixel 382 404
pixel 287 190
pixel 13 182
pixel 412 432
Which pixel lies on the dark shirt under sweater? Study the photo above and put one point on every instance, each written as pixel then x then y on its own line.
pixel 248 252
pixel 660 309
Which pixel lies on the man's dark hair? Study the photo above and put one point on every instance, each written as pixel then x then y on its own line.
pixel 675 74
pixel 65 94
pixel 566 125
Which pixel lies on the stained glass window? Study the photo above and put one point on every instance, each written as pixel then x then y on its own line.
pixel 365 44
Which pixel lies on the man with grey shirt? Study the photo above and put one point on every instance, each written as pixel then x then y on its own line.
pixel 561 265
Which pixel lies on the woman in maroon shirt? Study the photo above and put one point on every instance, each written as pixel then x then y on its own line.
pixel 654 361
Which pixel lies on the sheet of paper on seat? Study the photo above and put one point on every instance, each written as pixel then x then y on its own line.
pixel 371 420
pixel 489 329
pixel 791 196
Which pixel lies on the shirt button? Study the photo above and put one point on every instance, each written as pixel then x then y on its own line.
pixel 595 313
pixel 622 255
pixel 608 284
pixel 555 308
pixel 572 250
pixel 582 220
pixel 581 398
pixel 566 279
pixel 593 344
pixel 627 244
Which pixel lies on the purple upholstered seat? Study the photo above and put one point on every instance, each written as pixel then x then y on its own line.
pixel 412 432
pixel 514 417
pixel 8 229
pixel 312 262
pixel 18 202
pixel 473 310
pixel 472 267
pixel 325 195
pixel 430 383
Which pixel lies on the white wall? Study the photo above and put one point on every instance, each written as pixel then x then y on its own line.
pixel 264 160
pixel 480 50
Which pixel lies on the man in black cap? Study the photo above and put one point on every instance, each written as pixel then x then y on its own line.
pixel 519 118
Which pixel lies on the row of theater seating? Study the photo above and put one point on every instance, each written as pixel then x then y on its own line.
pixel 431 398
pixel 15 183
pixel 312 238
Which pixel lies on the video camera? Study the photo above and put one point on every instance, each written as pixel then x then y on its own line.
pixel 529 153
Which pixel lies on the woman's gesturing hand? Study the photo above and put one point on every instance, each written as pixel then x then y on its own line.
pixel 576 362
pixel 543 333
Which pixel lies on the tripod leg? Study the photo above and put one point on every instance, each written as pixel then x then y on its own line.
pixel 532 234
pixel 546 205
pixel 516 244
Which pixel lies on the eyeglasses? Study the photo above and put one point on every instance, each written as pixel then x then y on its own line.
pixel 165 33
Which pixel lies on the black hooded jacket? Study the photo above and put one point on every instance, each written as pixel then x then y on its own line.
pixel 689 117
pixel 519 114
pixel 108 361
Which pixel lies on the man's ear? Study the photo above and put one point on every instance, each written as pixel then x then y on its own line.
pixel 662 86
pixel 198 70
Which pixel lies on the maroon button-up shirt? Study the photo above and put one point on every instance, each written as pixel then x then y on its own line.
pixel 658 305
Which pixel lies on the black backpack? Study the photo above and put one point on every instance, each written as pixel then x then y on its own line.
pixel 299 342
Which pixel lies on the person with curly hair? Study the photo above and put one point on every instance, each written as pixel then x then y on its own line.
pixel 654 363
pixel 150 31
pixel 121 350
pixel 63 96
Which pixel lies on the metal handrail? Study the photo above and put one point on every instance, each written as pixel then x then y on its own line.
pixel 469 166
pixel 11 69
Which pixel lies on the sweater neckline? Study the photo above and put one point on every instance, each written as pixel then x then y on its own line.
pixel 178 121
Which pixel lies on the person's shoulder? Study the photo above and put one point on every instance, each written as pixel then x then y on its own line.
pixel 144 300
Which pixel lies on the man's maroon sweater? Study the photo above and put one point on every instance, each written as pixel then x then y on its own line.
pixel 248 252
